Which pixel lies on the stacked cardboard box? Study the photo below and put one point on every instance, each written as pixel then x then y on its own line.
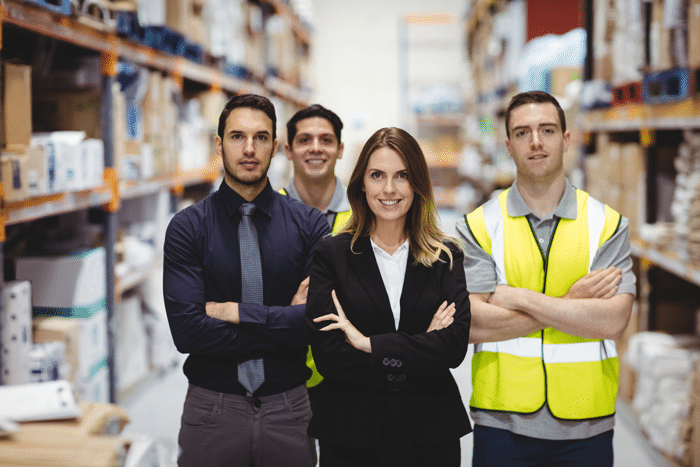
pixel 686 197
pixel 91 440
pixel 160 116
pixel 15 332
pixel 616 175
pixel 68 300
pixel 665 367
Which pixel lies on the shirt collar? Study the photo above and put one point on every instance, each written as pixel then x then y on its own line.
pixel 339 202
pixel 401 251
pixel 567 207
pixel 232 200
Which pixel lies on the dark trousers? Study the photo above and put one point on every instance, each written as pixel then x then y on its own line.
pixel 494 447
pixel 242 431
pixel 395 449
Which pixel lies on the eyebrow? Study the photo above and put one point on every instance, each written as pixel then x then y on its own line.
pixel 240 132
pixel 312 134
pixel 520 127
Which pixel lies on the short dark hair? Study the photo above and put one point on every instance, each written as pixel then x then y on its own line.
pixel 252 101
pixel 314 110
pixel 534 97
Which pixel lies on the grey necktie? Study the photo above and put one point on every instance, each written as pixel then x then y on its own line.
pixel 250 367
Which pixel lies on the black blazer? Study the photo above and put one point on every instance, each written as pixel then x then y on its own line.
pixel 350 403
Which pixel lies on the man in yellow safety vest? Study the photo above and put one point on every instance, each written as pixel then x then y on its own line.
pixel 551 287
pixel 314 147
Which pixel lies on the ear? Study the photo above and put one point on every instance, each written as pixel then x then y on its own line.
pixel 567 140
pixel 218 146
pixel 274 147
pixel 508 147
pixel 341 147
pixel 288 152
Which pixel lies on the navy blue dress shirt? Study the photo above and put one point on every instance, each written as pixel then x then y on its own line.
pixel 202 264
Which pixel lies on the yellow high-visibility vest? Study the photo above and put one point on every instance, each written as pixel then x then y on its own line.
pixel 339 222
pixel 576 377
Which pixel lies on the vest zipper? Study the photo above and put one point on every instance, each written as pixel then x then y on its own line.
pixel 545 261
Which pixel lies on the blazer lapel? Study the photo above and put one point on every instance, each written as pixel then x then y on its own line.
pixel 413 283
pixel 366 269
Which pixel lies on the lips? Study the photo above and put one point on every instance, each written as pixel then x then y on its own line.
pixel 389 202
pixel 315 161
pixel 249 165
pixel 537 157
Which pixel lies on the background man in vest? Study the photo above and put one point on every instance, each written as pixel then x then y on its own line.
pixel 549 274
pixel 314 146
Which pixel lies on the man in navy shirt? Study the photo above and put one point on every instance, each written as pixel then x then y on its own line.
pixel 222 422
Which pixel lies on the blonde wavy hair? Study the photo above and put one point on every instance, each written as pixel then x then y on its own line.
pixel 426 240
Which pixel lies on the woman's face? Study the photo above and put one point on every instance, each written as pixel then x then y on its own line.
pixel 389 194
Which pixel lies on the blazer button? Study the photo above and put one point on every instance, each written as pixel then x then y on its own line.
pixel 257 403
pixel 399 363
pixel 390 377
pixel 385 362
pixel 392 362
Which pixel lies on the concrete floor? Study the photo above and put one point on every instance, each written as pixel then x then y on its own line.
pixel 155 409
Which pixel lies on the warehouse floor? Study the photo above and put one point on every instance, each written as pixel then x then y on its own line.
pixel 155 409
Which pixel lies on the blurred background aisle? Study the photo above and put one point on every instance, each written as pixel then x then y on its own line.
pixel 109 109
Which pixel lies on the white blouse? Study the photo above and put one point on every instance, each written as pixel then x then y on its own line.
pixel 393 270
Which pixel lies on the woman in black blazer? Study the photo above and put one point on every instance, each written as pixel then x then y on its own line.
pixel 389 300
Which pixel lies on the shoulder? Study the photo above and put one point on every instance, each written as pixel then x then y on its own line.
pixel 295 207
pixel 335 243
pixel 195 214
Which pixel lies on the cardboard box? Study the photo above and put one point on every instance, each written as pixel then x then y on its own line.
pixel 17 105
pixel 132 352
pixel 69 111
pixel 560 77
pixel 37 174
pixel 67 284
pixel 633 165
pixel 49 444
pixel 85 340
pixel 95 419
pixel 14 177
pixel 15 332
pixel 612 162
pixel 693 36
pixel 92 165
pixel 659 39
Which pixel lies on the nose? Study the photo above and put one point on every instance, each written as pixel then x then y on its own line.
pixel 389 186
pixel 535 140
pixel 315 145
pixel 249 148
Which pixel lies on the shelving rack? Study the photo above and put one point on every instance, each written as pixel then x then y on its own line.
pixel 653 126
pixel 35 20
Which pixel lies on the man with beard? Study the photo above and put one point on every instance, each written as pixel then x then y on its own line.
pixel 247 403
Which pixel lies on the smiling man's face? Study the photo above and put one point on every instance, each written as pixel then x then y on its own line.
pixel 314 150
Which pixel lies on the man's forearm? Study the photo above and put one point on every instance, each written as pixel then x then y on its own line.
pixel 593 318
pixel 227 311
pixel 493 323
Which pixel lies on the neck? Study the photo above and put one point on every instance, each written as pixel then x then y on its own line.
pixel 247 192
pixel 315 193
pixel 542 197
pixel 389 236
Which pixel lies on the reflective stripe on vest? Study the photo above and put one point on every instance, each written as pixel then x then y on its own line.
pixel 576 377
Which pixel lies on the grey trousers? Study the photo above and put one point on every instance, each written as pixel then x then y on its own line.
pixel 240 431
